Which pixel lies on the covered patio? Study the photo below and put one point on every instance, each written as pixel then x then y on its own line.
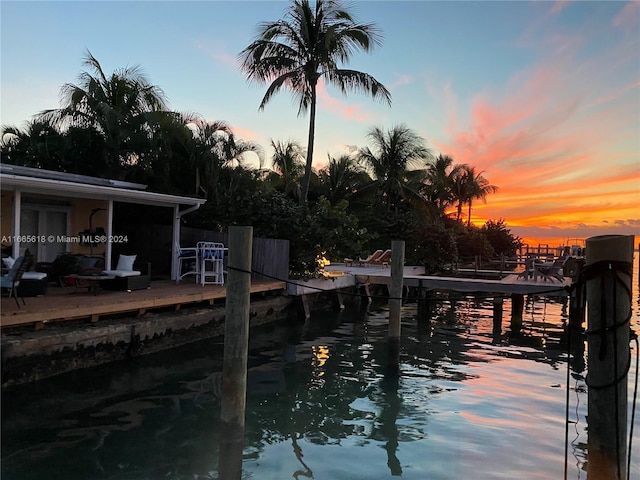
pixel 46 211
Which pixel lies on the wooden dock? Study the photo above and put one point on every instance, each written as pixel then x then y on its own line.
pixel 62 304
pixel 415 277
pixel 68 303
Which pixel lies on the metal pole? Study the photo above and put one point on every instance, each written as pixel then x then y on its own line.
pixel 608 306
pixel 236 346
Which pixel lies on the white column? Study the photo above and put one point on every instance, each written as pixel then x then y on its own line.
pixel 17 209
pixel 107 251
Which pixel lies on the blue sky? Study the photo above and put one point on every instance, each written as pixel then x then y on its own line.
pixel 544 97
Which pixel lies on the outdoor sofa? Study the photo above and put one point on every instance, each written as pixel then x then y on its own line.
pixel 128 276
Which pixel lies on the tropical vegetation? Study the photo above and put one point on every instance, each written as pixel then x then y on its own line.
pixel 118 126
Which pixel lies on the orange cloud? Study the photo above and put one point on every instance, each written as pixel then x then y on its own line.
pixel 560 140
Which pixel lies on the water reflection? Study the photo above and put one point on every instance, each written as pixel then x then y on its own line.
pixel 322 403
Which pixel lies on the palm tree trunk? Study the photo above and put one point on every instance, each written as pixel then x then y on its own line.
pixel 312 131
pixel 469 217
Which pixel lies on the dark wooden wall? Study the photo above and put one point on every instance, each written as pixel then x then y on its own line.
pixel 152 243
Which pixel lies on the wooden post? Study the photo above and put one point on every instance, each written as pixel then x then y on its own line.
pixel 395 305
pixel 517 307
pixel 397 274
pixel 608 307
pixel 425 310
pixel 236 346
pixel 573 268
pixel 497 315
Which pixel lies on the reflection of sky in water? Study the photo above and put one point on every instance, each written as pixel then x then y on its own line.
pixel 468 404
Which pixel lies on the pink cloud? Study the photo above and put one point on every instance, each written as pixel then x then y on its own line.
pixel 401 80
pixel 217 54
pixel 341 108
pixel 558 6
pixel 244 133
pixel 629 16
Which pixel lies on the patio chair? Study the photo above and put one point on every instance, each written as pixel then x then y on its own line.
pixel 211 263
pixel 382 260
pixel 370 258
pixel 188 262
pixel 553 272
pixel 528 272
pixel 11 280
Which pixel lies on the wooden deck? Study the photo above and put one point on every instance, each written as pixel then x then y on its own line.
pixel 67 303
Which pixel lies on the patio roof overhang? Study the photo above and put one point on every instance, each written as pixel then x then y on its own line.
pixel 43 182
pixel 45 186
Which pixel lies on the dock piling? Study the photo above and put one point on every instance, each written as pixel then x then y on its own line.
pixel 236 346
pixel 424 308
pixel 395 290
pixel 608 286
pixel 497 315
pixel 395 305
pixel 517 309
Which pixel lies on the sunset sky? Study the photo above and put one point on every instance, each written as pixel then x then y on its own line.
pixel 544 97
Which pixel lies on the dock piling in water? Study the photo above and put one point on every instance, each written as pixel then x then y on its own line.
pixel 497 315
pixel 236 346
pixel 517 309
pixel 608 285
pixel 395 306
pixel 395 290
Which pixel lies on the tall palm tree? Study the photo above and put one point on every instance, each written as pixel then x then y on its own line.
pixel 288 165
pixel 469 186
pixel 398 162
pixel 120 106
pixel 308 44
pixel 342 177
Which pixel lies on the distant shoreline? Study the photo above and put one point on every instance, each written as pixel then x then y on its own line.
pixel 553 242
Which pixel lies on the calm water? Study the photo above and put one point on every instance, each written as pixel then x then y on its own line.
pixel 468 404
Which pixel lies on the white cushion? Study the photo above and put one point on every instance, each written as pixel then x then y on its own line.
pixel 34 276
pixel 122 273
pixel 8 261
pixel 125 262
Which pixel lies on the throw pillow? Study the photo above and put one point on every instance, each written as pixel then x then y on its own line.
pixel 125 262
pixel 8 261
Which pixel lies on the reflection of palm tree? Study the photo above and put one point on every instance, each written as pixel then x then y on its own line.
pixel 309 44
pixel 397 163
pixel 298 452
